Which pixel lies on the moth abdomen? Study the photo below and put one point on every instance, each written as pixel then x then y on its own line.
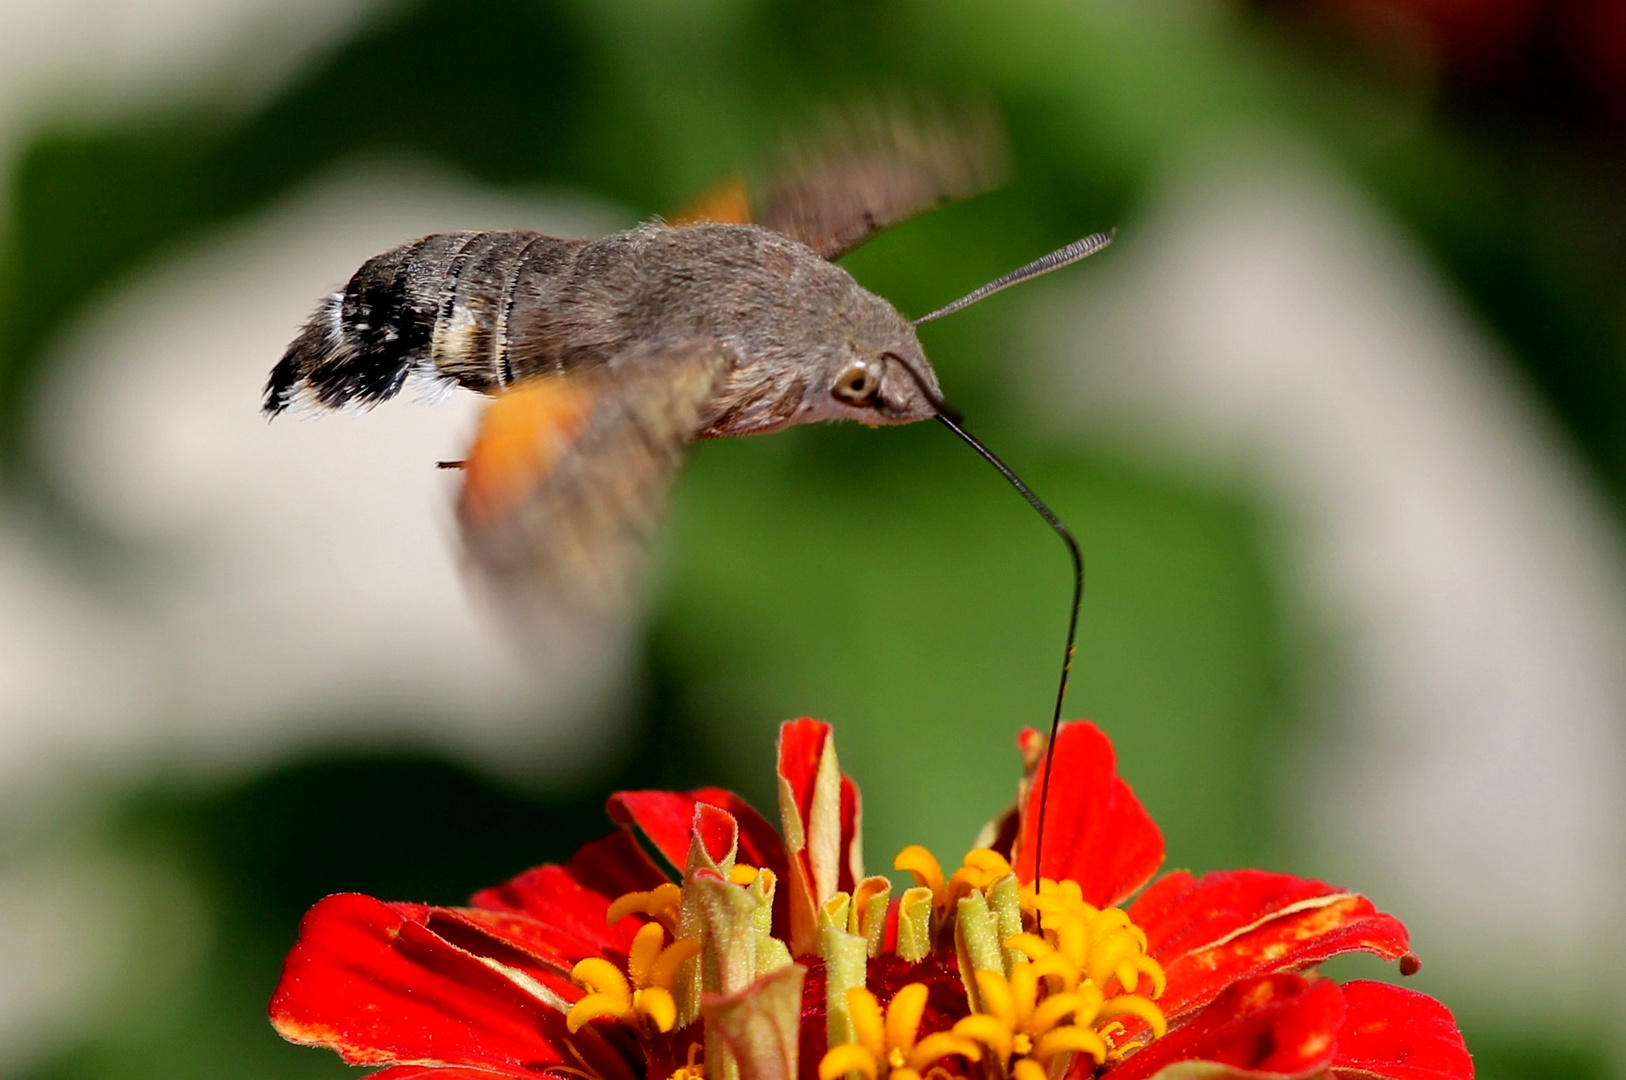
pixel 439 305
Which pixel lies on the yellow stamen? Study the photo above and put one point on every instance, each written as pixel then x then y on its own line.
pixel 607 993
pixel 887 1037
pixel 928 872
pixel 989 1030
pixel 1070 890
pixel 1108 956
pixel 1103 947
pixel 598 976
pixel 1110 919
pixel 988 861
pixel 1051 1011
pixel 1072 937
pixel 661 902
pixel 742 874
pixel 663 972
pixel 1058 966
pixel 868 1022
pixel 644 997
pixel 1071 1040
pixel 1151 968
pixel 1031 946
pixel 903 1016
pixel 592 1007
pixel 1089 1004
pixel 1024 986
pixel 846 1058
pixel 980 869
pixel 1135 1005
pixel 645 950
pixel 657 1005
pixel 996 997
pixel 940 1045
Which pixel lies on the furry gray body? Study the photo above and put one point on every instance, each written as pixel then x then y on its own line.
pixel 487 309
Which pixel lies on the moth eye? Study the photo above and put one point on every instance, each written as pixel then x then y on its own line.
pixel 858 385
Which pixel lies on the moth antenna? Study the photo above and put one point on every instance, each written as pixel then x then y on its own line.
pixel 951 420
pixel 1072 253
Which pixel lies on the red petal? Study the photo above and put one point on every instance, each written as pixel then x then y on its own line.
pixel 1211 931
pixel 568 919
pixel 852 821
pixel 801 745
pixel 615 865
pixel 1283 1025
pixel 801 748
pixel 717 831
pixel 656 813
pixel 1096 832
pixel 667 819
pixel 367 980
pixel 516 941
pixel 1398 1033
pixel 432 1072
pixel 566 916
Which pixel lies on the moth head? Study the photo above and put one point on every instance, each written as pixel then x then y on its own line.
pixel 888 387
pixel 878 374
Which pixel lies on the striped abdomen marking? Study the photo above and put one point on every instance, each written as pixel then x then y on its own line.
pixel 441 304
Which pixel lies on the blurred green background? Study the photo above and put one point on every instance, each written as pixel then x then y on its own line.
pixel 883 580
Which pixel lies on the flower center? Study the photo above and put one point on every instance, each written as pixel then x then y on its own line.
pixel 1047 976
pixel 886 1042
pixel 1055 976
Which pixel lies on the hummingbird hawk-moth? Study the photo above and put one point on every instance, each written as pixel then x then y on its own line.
pixel 605 357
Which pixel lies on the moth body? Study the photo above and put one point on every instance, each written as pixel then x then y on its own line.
pixel 485 310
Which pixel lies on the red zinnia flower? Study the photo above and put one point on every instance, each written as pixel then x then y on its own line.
pixel 769 958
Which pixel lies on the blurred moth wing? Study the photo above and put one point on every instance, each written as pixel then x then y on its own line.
pixel 568 475
pixel 864 171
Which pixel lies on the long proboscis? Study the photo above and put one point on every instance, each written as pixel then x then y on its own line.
pixel 951 421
